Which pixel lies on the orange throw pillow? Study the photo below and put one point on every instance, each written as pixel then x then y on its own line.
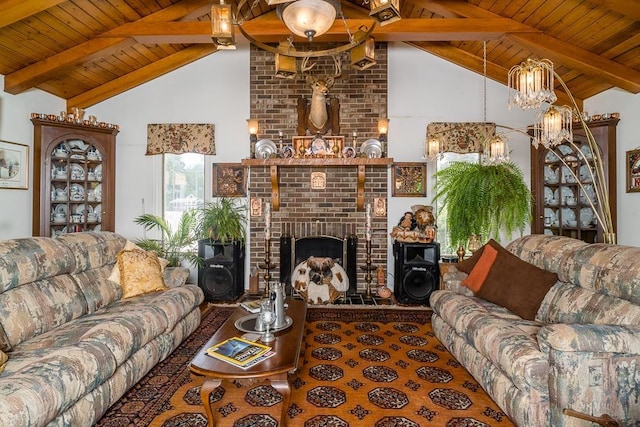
pixel 480 271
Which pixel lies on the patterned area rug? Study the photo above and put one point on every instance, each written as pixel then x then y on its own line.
pixel 373 367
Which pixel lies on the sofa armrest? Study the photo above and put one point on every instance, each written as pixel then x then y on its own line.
pixel 452 280
pixel 176 276
pixel 591 338
pixel 593 370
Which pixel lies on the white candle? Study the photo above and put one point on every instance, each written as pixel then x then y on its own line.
pixel 267 221
pixel 368 223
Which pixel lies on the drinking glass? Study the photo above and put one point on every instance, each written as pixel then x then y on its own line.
pixel 267 316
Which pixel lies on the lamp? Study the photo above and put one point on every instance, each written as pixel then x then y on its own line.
pixel 222 26
pixel 385 11
pixel 252 125
pixel 434 148
pixel 363 56
pixel 498 147
pixel 285 64
pixel 383 128
pixel 531 83
pixel 308 18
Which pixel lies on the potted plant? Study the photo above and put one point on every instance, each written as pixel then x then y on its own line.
pixel 223 220
pixel 483 199
pixel 176 245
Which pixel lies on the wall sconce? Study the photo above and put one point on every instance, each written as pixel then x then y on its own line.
pixel 285 65
pixel 222 26
pixel 252 125
pixel 383 129
pixel 363 56
pixel 385 11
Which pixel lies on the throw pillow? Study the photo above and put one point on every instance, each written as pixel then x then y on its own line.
pixel 516 284
pixel 3 360
pixel 115 272
pixel 467 265
pixel 480 271
pixel 140 272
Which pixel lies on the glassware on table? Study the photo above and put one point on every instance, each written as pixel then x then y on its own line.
pixel 267 317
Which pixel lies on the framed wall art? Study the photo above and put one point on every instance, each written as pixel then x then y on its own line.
pixel 14 166
pixel 633 171
pixel 409 179
pixel 229 180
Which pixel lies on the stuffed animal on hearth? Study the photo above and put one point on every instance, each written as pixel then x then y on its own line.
pixel 319 280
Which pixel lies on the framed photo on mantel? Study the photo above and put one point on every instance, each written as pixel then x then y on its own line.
pixel 633 171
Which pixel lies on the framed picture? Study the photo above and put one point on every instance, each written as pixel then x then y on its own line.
pixel 229 180
pixel 633 171
pixel 14 165
pixel 409 179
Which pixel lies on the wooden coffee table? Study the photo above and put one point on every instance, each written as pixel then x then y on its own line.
pixel 275 369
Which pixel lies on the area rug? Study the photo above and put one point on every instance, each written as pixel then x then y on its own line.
pixel 373 367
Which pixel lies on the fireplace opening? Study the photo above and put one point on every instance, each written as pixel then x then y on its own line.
pixel 343 251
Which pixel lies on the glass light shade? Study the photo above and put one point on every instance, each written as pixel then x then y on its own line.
pixel 554 127
pixel 498 150
pixel 308 18
pixel 383 126
pixel 222 26
pixel 363 56
pixel 530 84
pixel 252 125
pixel 433 148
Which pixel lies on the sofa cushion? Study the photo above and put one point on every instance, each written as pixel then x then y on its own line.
pixel 480 271
pixel 516 284
pixel 140 272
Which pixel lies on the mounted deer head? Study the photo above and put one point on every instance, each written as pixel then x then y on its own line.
pixel 317 116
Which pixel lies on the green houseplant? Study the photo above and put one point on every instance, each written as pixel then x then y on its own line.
pixel 483 199
pixel 176 245
pixel 223 220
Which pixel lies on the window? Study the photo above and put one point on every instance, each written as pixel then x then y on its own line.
pixel 184 188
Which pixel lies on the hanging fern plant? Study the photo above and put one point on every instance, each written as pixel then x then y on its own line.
pixel 483 199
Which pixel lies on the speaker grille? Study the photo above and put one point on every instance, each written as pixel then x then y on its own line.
pixel 217 282
pixel 418 283
pixel 416 271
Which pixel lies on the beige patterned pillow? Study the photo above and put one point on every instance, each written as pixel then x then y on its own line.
pixel 115 272
pixel 140 272
pixel 3 360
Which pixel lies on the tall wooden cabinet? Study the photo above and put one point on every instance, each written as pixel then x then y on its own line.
pixel 74 177
pixel 560 206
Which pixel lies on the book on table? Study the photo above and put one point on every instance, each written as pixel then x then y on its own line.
pixel 238 351
pixel 251 306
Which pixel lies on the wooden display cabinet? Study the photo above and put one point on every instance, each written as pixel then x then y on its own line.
pixel 560 206
pixel 74 177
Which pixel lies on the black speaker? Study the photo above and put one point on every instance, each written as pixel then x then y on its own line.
pixel 417 273
pixel 221 276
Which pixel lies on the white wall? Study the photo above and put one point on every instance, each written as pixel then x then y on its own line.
pixel 628 105
pixel 15 126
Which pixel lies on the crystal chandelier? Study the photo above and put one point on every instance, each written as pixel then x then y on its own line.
pixel 554 127
pixel 531 83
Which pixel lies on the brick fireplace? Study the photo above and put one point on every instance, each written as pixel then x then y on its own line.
pixel 333 210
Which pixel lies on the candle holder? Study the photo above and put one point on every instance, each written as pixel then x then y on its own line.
pixel 267 266
pixel 368 268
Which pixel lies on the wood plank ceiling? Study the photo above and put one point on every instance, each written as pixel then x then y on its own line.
pixel 86 51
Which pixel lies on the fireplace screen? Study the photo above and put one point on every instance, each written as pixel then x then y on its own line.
pixel 343 251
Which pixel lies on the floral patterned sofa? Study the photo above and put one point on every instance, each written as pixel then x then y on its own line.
pixel 74 346
pixel 580 352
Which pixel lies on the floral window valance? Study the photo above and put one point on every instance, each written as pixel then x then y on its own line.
pixel 179 138
pixel 461 137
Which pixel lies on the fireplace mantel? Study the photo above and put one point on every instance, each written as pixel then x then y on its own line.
pixel 274 164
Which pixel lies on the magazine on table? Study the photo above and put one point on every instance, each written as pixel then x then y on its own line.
pixel 238 351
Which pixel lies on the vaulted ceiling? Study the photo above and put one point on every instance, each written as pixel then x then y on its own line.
pixel 86 51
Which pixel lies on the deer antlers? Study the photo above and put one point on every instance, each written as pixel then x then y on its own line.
pixel 305 67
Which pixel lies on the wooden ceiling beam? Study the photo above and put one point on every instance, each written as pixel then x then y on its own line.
pixel 15 10
pixel 623 7
pixel 272 30
pixel 475 63
pixel 557 50
pixel 140 76
pixel 41 71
